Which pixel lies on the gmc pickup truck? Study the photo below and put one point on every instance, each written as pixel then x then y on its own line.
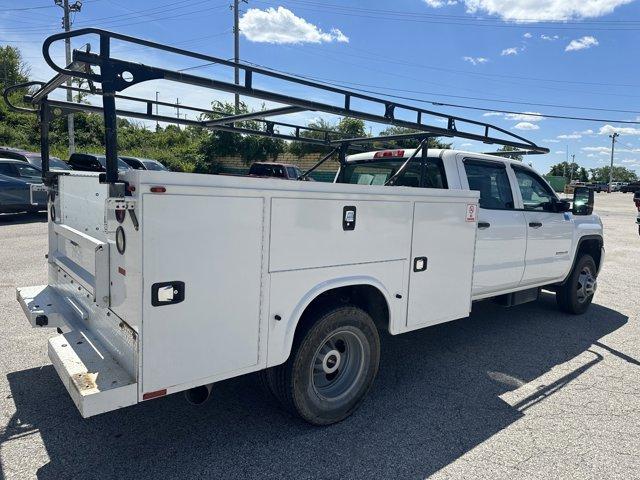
pixel 163 282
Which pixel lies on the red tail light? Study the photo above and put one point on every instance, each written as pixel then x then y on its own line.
pixel 389 154
pixel 158 189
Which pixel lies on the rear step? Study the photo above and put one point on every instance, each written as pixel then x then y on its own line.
pixel 93 378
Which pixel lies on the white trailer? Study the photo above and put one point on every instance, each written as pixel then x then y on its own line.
pixel 162 282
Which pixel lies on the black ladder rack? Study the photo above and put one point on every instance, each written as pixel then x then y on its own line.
pixel 116 75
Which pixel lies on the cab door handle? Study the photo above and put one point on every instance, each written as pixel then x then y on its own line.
pixel 535 224
pixel 483 225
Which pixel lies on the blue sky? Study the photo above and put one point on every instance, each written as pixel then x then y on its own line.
pixel 539 55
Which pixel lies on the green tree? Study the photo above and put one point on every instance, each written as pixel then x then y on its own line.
pixel 346 128
pixel 217 143
pixel 13 69
pixel 513 156
pixel 566 170
pixel 408 142
pixel 583 175
pixel 620 174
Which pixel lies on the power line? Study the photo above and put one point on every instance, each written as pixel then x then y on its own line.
pixel 339 84
pixel 415 17
pixel 459 17
pixel 145 15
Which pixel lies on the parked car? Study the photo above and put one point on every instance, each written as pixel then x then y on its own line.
pixel 19 187
pixel 276 170
pixel 616 186
pixel 600 187
pixel 33 158
pixel 636 199
pixel 138 163
pixel 631 187
pixel 93 163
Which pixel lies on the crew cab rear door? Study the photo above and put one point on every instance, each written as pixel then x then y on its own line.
pixel 502 235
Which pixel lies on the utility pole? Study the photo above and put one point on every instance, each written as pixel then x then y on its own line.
pixel 66 25
pixel 157 122
pixel 573 160
pixel 178 111
pixel 236 47
pixel 613 148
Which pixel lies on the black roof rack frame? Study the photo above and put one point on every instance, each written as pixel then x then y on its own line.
pixel 116 75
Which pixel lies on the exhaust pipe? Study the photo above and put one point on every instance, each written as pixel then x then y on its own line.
pixel 198 395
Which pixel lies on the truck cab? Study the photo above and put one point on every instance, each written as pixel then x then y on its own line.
pixel 527 236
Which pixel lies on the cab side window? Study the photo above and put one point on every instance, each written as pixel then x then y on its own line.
pixel 434 176
pixel 492 181
pixel 536 194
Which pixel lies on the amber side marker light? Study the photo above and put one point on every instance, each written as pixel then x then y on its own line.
pixel 156 394
pixel 158 189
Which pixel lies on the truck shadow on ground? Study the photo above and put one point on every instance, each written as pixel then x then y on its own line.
pixel 436 397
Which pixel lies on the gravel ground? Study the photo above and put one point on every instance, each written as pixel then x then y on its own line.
pixel 507 393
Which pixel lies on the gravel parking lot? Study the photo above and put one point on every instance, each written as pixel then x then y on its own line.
pixel 526 392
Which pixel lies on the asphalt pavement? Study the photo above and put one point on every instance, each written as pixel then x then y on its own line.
pixel 526 392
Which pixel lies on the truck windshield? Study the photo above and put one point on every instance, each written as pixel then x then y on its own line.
pixel 378 172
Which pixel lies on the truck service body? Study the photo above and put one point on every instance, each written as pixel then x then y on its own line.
pixel 160 282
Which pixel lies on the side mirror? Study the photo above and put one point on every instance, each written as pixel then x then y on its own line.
pixel 583 199
pixel 562 206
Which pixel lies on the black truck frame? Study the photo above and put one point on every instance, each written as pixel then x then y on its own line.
pixel 116 75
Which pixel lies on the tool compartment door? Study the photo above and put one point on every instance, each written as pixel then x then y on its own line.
pixel 441 268
pixel 213 244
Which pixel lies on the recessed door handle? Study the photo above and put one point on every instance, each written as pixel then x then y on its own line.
pixel 483 225
pixel 535 224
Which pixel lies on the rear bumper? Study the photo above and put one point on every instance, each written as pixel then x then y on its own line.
pixel 95 380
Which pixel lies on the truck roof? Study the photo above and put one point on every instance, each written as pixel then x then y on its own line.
pixel 432 152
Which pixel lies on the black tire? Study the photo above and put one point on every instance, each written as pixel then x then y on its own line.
pixel 576 294
pixel 298 383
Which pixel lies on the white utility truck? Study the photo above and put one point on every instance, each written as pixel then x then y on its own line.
pixel 162 282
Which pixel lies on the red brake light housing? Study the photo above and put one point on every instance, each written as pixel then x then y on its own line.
pixel 389 154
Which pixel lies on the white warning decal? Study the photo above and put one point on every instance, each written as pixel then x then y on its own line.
pixel 472 213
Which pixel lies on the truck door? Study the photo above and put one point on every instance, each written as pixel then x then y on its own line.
pixel 549 233
pixel 502 235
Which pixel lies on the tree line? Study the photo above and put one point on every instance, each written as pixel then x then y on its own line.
pixel 573 171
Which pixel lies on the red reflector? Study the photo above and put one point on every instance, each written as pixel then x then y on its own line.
pixel 158 189
pixel 156 394
pixel 122 271
pixel 389 153
pixel 131 188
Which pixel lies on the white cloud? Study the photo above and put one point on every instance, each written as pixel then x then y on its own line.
pixel 526 126
pixel 282 26
pixel 440 3
pixel 596 149
pixel 510 51
pixel 527 35
pixel 475 60
pixel 582 44
pixel 570 136
pixel 549 38
pixel 560 152
pixel 551 140
pixel 492 114
pixel 609 130
pixel 525 117
pixel 531 10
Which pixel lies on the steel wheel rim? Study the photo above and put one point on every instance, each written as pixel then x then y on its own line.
pixel 587 285
pixel 337 365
